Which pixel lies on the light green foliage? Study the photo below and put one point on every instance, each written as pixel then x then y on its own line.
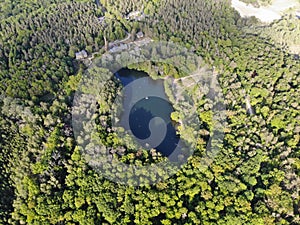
pixel 254 178
pixel 284 32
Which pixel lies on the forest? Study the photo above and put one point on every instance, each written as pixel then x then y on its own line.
pixel 45 179
pixel 284 33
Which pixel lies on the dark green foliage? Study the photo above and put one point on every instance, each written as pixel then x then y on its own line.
pixel 44 178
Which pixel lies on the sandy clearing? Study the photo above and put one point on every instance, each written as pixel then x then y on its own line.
pixel 266 14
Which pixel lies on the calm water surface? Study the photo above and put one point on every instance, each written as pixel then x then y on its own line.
pixel 151 115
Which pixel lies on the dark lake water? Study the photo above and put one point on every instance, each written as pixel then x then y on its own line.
pixel 147 111
pixel 126 76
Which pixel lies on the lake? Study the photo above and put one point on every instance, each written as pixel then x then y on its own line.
pixel 147 111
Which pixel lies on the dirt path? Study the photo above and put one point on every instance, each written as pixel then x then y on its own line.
pixel 121 41
pixel 266 14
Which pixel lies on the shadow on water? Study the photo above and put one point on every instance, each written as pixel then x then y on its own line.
pixel 143 111
pixel 126 76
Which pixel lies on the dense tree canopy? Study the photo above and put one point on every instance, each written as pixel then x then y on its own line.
pixel 44 177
